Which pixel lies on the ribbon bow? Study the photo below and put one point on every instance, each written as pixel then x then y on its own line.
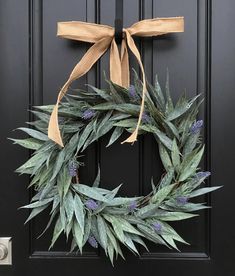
pixel 103 38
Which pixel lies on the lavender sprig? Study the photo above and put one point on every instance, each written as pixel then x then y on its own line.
pixel 91 204
pixel 73 167
pixel 132 92
pixel 132 206
pixel 157 227
pixel 145 118
pixel 203 174
pixel 92 241
pixel 196 127
pixel 88 114
pixel 182 200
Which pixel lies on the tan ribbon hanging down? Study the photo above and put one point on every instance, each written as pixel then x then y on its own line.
pixel 103 38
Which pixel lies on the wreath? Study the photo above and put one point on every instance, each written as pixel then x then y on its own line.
pixel 98 216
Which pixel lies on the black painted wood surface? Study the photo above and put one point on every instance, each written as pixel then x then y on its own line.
pixel 34 63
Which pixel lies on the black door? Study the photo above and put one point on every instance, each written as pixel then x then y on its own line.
pixel 33 66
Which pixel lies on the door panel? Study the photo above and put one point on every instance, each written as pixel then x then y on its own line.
pixel 39 63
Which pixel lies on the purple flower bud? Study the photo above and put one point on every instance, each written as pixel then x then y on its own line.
pixel 196 126
pixel 72 167
pixel 145 118
pixel 132 206
pixel 203 174
pixel 132 92
pixel 91 204
pixel 157 227
pixel 182 200
pixel 61 120
pixel 92 241
pixel 88 114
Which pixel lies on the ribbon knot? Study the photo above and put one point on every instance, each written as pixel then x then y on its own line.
pixel 102 37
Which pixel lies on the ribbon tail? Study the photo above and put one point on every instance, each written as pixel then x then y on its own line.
pixel 53 128
pixel 133 137
pixel 115 64
pixel 125 65
pixel 87 61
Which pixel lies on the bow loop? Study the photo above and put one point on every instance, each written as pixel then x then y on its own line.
pixel 102 37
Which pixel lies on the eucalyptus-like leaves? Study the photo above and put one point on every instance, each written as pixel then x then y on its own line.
pixel 98 216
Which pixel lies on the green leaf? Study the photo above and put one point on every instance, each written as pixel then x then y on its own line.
pixel 150 234
pixel 58 164
pixel 191 143
pixel 86 132
pixel 166 180
pixel 34 133
pixel 109 196
pixel 68 228
pixel 103 126
pixel 103 94
pixel 115 135
pixel 165 158
pixel 190 207
pixel 175 155
pixel 36 159
pixel 87 228
pixel 169 103
pixel 63 216
pixel 129 243
pixel 117 201
pixel 203 191
pixel 56 201
pixel 169 231
pixel 114 91
pixel 78 235
pixel 181 109
pixel 170 241
pixel 89 192
pixel 111 237
pixel 138 239
pixel 167 142
pixel 57 231
pixel 127 227
pixel 96 183
pixel 29 143
pixel 189 167
pixel 63 181
pixel 70 147
pixel 173 129
pixel 102 232
pixel 128 108
pixel 126 123
pixel 36 211
pixel 161 194
pixel 79 212
pixel 37 203
pixel 159 135
pixel 41 115
pixel 159 93
pixel 45 192
pixel 147 211
pixel 110 252
pixel 104 106
pixel 116 227
pixel 174 216
pixel 69 206
pixel 119 116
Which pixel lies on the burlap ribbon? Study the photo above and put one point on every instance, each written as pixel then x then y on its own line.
pixel 103 38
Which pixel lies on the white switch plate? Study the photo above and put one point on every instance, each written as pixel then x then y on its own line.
pixel 8 243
